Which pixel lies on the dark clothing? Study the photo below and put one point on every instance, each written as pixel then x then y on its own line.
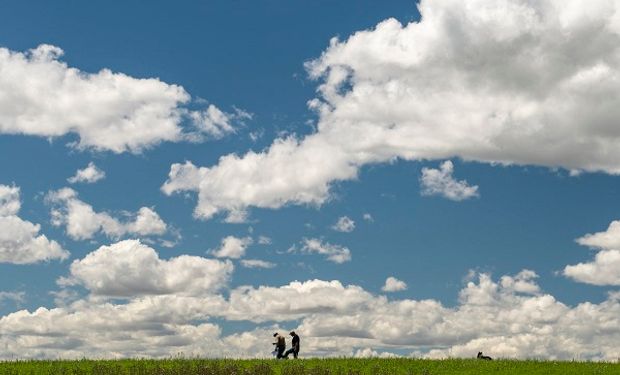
pixel 280 346
pixel 294 349
pixel 280 350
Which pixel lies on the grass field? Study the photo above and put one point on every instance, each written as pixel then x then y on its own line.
pixel 308 366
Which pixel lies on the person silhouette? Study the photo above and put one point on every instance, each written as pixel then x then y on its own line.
pixel 280 345
pixel 294 346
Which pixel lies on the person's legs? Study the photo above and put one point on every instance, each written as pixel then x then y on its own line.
pixel 291 350
pixel 280 352
pixel 295 353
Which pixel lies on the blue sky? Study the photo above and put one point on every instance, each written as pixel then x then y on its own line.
pixel 470 156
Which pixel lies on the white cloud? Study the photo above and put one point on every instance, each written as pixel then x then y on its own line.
pixel 344 224
pixel 523 282
pixel 264 240
pixel 369 353
pixel 440 182
pixel 9 200
pixel 82 222
pixel 20 241
pixel 605 268
pixel 392 284
pixel 256 263
pixel 609 239
pixel 42 96
pixel 333 320
pixel 505 82
pixel 334 253
pixel 88 175
pixel 130 268
pixel 232 247
pixel 17 297
pixel 215 123
pixel 368 217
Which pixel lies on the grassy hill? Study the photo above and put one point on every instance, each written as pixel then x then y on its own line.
pixel 344 366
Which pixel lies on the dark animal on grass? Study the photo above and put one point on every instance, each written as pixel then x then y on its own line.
pixel 485 357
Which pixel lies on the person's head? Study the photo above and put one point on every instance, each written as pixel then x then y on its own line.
pixel 292 333
pixel 275 334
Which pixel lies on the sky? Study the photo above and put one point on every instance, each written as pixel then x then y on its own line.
pixel 396 178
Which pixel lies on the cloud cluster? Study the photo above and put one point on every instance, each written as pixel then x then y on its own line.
pixel 510 82
pixel 502 318
pixel 88 175
pixel 440 182
pixel 40 95
pixel 20 241
pixel 83 222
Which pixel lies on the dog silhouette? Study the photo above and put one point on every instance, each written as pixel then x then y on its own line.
pixel 486 357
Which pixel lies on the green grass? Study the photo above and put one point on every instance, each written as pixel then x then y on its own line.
pixel 342 366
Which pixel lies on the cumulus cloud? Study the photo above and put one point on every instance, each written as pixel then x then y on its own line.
pixel 334 253
pixel 232 247
pixel 256 263
pixel 88 175
pixel 605 268
pixel 344 224
pixel 608 239
pixel 83 222
pixel 41 95
pixel 130 268
pixel 510 82
pixel 392 284
pixel 334 319
pixel 20 241
pixel 440 182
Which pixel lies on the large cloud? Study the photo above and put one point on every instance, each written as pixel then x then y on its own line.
pixel 130 268
pixel 40 95
pixel 20 241
pixel 510 318
pixel 82 222
pixel 508 82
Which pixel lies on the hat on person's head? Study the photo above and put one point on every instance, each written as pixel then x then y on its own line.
pixel 292 333
pixel 275 334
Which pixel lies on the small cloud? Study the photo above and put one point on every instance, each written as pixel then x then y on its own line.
pixel 232 247
pixel 335 253
pixel 368 217
pixel 17 297
pixel 264 240
pixel 440 182
pixel 237 217
pixel 392 284
pixel 88 175
pixel 256 263
pixel 344 224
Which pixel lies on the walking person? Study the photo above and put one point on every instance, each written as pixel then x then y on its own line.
pixel 295 346
pixel 280 345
